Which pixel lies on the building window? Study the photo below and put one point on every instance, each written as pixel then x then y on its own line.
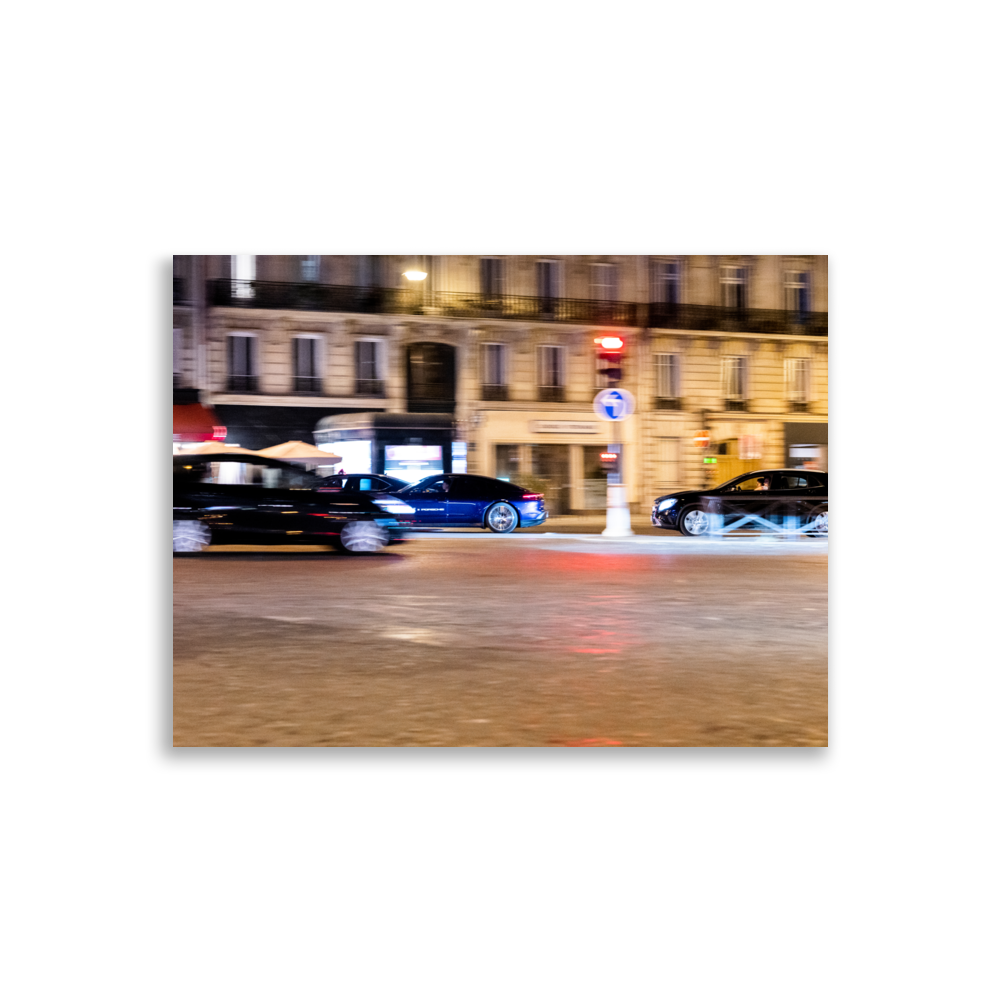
pixel 306 363
pixel 243 268
pixel 547 282
pixel 369 271
pixel 604 282
pixel 734 287
pixel 797 384
pixel 242 362
pixel 309 268
pixel 667 282
pixel 368 368
pixel 181 266
pixel 178 356
pixel 491 276
pixel 668 466
pixel 797 294
pixel 494 373
pixel 734 382
pixel 667 381
pixel 551 373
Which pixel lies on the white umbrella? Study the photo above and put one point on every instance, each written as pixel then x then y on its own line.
pixel 214 448
pixel 299 451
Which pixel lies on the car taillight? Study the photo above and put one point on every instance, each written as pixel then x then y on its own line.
pixel 533 496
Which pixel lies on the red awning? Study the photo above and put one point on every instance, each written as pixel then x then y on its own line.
pixel 194 422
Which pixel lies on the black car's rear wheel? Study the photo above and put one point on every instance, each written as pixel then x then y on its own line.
pixel 363 536
pixel 693 522
pixel 191 536
pixel 501 518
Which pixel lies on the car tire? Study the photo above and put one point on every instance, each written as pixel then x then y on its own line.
pixel 819 521
pixel 191 536
pixel 358 537
pixel 501 518
pixel 693 522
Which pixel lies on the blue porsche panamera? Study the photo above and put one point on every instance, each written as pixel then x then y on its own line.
pixel 465 501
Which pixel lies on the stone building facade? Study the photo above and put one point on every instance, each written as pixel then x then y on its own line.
pixel 732 345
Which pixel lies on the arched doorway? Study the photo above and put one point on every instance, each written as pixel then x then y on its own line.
pixel 430 378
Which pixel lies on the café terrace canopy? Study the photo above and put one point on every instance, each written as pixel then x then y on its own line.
pixel 214 448
pixel 299 451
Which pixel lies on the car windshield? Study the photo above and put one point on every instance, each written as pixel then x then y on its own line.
pixel 744 483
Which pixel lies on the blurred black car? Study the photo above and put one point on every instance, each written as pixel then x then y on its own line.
pixel 358 482
pixel 230 499
pixel 467 501
pixel 770 494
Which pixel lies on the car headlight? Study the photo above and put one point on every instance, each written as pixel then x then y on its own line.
pixel 665 505
pixel 396 508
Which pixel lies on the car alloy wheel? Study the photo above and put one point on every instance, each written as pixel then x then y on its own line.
pixel 693 522
pixel 501 518
pixel 191 536
pixel 363 536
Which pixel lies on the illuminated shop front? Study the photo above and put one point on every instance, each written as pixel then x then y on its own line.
pixel 408 446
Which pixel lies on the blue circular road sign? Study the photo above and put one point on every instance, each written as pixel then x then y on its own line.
pixel 614 404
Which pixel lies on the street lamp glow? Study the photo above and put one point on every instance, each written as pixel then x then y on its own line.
pixel 415 275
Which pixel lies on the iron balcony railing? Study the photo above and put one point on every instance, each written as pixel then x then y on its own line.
pixel 307 385
pixel 532 307
pixel 551 394
pixel 493 393
pixel 369 387
pixel 180 292
pixel 354 298
pixel 243 383
pixel 419 301
pixel 687 316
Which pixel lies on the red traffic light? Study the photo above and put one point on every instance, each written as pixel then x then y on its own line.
pixel 611 347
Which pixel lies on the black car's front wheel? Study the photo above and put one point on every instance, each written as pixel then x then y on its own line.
pixel 693 522
pixel 363 536
pixel 819 522
pixel 501 518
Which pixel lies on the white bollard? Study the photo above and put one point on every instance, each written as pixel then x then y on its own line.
pixel 619 517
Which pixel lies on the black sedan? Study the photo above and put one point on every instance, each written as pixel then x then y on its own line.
pixel 762 499
pixel 358 482
pixel 229 499
pixel 466 501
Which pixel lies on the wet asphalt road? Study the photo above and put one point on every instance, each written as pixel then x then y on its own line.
pixel 523 640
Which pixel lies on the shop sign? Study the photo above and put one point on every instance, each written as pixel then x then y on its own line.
pixel 563 426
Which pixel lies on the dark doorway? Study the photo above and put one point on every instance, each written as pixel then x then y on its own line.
pixel 595 477
pixel 430 378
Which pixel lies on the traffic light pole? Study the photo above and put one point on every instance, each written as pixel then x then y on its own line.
pixel 618 523
pixel 617 404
